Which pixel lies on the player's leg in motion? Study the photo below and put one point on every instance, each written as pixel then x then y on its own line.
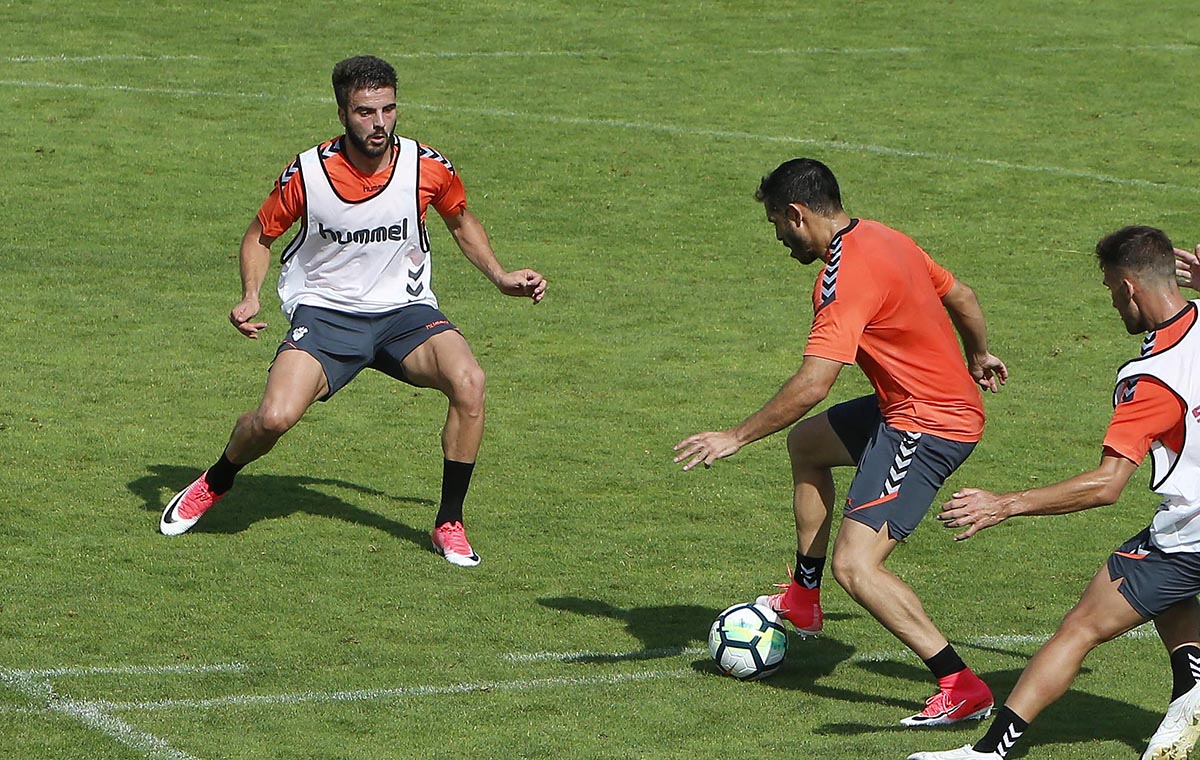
pixel 1102 614
pixel 445 362
pixel 295 381
pixel 858 565
pixel 814 448
pixel 1179 628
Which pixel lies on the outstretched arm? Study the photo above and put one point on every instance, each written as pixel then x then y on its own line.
pixel 473 240
pixel 967 316
pixel 804 390
pixel 254 262
pixel 975 510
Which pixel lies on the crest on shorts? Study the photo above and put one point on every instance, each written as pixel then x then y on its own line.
pixel 299 333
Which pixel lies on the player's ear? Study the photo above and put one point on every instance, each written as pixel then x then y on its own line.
pixel 797 213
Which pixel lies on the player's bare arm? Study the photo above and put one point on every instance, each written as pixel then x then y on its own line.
pixel 804 390
pixel 975 509
pixel 255 262
pixel 472 239
pixel 967 316
pixel 1187 268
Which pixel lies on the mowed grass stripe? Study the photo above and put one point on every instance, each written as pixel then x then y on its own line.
pixel 675 129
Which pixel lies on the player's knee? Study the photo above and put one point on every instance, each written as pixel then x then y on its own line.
pixel 801 446
pixel 468 387
pixel 273 421
pixel 850 571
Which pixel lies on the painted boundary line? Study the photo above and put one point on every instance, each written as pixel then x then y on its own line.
pixel 97 58
pixel 40 691
pixel 101 715
pixel 1165 48
pixel 674 129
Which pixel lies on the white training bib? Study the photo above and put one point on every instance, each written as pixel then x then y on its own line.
pixel 369 257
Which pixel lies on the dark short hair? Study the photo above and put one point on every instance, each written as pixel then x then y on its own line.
pixel 1138 249
pixel 362 72
pixel 801 180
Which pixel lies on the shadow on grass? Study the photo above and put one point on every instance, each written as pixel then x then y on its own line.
pixel 1077 717
pixel 267 497
pixel 663 631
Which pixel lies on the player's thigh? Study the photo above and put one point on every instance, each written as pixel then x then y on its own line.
pixel 813 442
pixel 444 361
pixel 295 381
pixel 1103 612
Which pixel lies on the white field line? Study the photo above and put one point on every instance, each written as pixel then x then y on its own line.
pixel 624 124
pixel 97 58
pixel 133 670
pixel 586 656
pixel 505 54
pixel 403 692
pixel 1167 48
pixel 90 714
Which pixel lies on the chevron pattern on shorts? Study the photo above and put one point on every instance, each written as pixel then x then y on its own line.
pixel 903 460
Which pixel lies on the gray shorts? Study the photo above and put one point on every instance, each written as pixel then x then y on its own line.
pixel 1153 580
pixel 899 473
pixel 346 344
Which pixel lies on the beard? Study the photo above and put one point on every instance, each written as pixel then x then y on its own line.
pixel 360 142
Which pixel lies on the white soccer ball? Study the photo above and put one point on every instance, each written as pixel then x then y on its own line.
pixel 747 641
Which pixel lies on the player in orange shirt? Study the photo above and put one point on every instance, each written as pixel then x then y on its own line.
pixel 1156 574
pixel 882 303
pixel 355 284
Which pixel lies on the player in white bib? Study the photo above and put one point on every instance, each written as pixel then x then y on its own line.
pixel 1155 575
pixel 355 284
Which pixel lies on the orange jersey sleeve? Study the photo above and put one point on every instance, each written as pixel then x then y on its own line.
pixel 940 277
pixel 1152 414
pixel 439 185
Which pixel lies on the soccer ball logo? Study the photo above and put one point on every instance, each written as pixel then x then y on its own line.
pixel 747 641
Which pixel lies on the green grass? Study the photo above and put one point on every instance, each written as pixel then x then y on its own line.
pixel 615 147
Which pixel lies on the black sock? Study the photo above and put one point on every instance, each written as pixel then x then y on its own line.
pixel 809 570
pixel 220 476
pixel 945 663
pixel 456 478
pixel 1003 733
pixel 1185 669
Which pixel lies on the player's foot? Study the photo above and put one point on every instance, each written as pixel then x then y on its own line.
pixel 186 507
pixel 964 752
pixel 450 541
pixel 1178 731
pixel 798 605
pixel 963 696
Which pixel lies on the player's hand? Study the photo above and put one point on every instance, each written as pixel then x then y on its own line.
pixel 240 316
pixel 523 283
pixel 1187 268
pixel 706 448
pixel 973 509
pixel 989 372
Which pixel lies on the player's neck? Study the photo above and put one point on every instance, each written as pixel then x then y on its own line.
pixel 832 226
pixel 1164 307
pixel 365 164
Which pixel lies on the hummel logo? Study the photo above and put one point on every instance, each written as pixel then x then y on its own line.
pixel 299 333
pixel 808 578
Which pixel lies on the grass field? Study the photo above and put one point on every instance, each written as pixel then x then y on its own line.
pixel 615 147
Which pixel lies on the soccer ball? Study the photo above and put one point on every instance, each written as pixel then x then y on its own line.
pixel 747 641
